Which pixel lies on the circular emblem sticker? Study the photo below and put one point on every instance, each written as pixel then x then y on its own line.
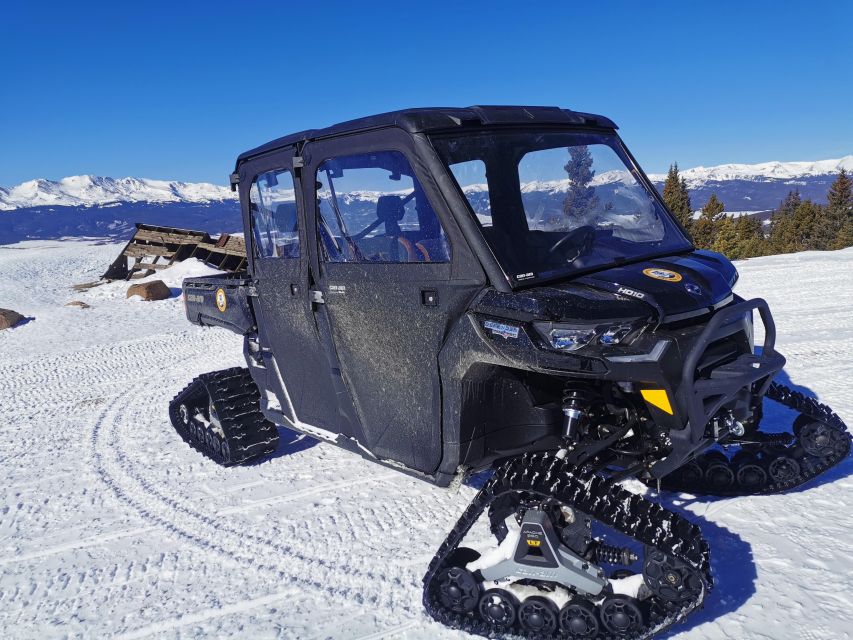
pixel 662 274
pixel 222 301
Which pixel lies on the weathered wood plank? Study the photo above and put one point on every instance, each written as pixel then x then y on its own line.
pixel 142 266
pixel 135 250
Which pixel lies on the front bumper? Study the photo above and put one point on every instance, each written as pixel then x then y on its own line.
pixel 743 380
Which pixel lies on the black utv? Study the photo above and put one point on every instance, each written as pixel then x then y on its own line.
pixel 447 291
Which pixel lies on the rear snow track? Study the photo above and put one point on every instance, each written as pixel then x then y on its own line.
pixel 110 526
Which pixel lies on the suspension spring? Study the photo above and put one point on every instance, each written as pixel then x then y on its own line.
pixel 615 555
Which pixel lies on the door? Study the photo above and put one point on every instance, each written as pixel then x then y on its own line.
pixel 385 278
pixel 294 352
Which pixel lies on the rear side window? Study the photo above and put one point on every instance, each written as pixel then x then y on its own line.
pixel 275 220
pixel 372 209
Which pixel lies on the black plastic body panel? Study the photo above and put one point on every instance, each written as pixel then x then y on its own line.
pixel 220 301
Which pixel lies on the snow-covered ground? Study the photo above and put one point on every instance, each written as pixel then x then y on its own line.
pixel 111 527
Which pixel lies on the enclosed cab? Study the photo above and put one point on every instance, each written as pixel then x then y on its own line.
pixel 442 288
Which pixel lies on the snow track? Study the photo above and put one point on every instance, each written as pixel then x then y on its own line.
pixel 110 526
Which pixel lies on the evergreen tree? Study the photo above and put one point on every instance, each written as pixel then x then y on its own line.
pixel 704 228
pixel 836 230
pixel 797 229
pixel 750 235
pixel 726 238
pixel 781 221
pixel 580 199
pixel 677 197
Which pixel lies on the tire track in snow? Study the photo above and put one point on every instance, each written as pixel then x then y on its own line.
pixel 296 495
pixel 250 550
pixel 93 541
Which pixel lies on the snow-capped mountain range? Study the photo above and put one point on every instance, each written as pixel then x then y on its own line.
pixel 91 191
pixel 762 172
pixel 109 207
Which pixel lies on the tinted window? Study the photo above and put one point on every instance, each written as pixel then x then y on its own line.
pixel 373 209
pixel 275 221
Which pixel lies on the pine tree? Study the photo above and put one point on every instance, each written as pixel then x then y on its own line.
pixel 677 197
pixel 580 199
pixel 837 225
pixel 750 235
pixel 703 229
pixel 726 238
pixel 796 230
pixel 781 221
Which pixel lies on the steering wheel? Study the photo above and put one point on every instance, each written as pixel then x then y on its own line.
pixel 581 239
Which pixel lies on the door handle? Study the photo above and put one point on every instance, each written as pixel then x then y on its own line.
pixel 317 296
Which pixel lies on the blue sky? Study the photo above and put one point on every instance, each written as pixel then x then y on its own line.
pixel 177 89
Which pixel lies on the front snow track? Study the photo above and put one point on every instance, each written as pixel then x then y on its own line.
pixel 545 476
pixel 760 463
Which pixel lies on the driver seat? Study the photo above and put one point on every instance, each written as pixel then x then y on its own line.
pixel 390 210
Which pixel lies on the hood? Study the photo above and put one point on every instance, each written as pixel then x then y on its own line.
pixel 667 289
pixel 678 287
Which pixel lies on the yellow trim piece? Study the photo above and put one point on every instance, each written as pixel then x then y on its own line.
pixel 533 543
pixel 657 398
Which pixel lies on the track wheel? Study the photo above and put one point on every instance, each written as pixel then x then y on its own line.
pixel 458 590
pixel 669 578
pixel 784 469
pixel 579 620
pixel 750 474
pixel 538 615
pixel 691 473
pixel 717 471
pixel 818 439
pixel 498 607
pixel 621 615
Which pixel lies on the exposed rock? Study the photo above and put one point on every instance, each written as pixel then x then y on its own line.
pixel 78 303
pixel 9 318
pixel 154 290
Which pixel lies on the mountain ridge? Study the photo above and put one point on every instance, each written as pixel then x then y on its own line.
pixel 97 191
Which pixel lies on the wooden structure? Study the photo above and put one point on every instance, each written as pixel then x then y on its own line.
pixel 154 247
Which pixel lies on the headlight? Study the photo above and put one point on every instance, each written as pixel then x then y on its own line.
pixel 565 337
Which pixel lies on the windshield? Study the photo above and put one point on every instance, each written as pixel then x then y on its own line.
pixel 552 204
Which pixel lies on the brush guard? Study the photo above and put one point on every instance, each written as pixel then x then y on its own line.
pixel 745 379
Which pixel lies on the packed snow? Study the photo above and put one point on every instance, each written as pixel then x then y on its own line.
pixel 110 526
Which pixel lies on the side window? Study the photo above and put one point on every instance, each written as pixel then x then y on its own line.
pixel 372 209
pixel 471 176
pixel 275 220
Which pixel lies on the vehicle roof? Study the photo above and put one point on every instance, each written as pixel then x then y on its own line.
pixel 437 118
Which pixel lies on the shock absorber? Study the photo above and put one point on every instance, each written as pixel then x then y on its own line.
pixel 577 401
pixel 615 555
